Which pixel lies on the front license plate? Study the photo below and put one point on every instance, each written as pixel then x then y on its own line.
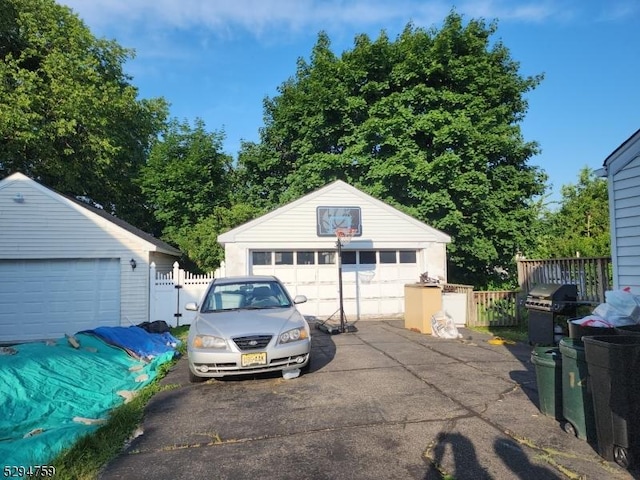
pixel 251 359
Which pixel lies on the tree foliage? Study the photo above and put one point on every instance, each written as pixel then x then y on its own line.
pixel 580 226
pixel 189 184
pixel 69 116
pixel 428 122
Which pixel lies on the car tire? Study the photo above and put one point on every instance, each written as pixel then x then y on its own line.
pixel 194 378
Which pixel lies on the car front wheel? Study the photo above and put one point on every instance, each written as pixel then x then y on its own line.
pixel 194 378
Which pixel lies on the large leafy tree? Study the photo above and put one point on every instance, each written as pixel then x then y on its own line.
pixel 581 223
pixel 69 116
pixel 428 122
pixel 186 176
pixel 189 183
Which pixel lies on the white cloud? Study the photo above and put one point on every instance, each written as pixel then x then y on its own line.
pixel 258 16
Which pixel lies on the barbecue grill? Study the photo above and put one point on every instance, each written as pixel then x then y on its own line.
pixel 545 302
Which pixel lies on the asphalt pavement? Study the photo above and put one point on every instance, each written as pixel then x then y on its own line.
pixel 383 402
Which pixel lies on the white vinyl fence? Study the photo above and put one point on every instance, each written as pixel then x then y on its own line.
pixel 170 292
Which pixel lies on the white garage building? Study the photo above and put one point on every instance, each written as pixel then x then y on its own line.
pixel 297 243
pixel 66 266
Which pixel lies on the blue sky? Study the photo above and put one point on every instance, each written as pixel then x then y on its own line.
pixel 218 59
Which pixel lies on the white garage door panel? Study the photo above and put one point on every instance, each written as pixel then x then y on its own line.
pixel 48 298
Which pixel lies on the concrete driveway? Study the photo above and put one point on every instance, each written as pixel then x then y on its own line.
pixel 381 403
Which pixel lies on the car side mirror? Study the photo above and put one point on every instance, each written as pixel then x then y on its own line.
pixel 299 299
pixel 193 306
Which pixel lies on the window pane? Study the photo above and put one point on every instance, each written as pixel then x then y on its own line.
pixel 326 258
pixel 261 258
pixel 305 258
pixel 284 258
pixel 367 257
pixel 349 257
pixel 407 256
pixel 387 256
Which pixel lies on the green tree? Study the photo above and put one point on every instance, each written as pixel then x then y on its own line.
pixel 200 243
pixel 187 175
pixel 581 223
pixel 190 185
pixel 69 116
pixel 428 122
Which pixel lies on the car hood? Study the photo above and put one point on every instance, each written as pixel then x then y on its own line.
pixel 248 322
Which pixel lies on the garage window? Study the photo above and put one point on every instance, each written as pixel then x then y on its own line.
pixel 388 256
pixel 349 257
pixel 407 256
pixel 326 258
pixel 367 257
pixel 305 258
pixel 261 258
pixel 284 258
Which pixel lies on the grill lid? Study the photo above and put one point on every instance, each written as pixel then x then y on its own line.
pixel 555 291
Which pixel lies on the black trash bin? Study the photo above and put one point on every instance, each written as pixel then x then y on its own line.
pixel 613 362
pixel 578 331
pixel 628 330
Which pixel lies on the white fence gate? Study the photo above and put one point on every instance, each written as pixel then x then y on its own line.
pixel 170 292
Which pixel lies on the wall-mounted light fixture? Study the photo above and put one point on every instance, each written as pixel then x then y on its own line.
pixel 18 198
pixel 133 264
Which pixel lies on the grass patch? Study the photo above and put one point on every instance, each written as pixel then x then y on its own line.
pixel 85 459
pixel 518 333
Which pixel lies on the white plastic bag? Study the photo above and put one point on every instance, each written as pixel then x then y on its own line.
pixel 443 326
pixel 612 315
pixel 625 302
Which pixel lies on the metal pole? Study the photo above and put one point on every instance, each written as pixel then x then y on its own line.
pixel 178 314
pixel 339 243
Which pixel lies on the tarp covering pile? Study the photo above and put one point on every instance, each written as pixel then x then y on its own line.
pixel 52 394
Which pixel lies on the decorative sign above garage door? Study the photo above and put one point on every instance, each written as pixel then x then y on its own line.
pixel 331 218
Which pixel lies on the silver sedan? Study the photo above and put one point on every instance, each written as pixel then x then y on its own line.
pixel 247 325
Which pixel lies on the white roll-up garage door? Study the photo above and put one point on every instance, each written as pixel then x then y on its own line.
pixel 42 299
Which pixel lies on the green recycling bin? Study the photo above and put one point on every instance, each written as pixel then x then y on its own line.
pixel 548 363
pixel 577 401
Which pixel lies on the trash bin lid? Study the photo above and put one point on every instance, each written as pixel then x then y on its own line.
pixel 614 352
pixel 572 348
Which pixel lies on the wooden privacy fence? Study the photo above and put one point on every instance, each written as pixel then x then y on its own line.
pixel 592 275
pixel 492 308
pixel 502 308
pixel 497 308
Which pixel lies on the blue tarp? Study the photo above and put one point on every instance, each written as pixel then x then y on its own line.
pixel 137 341
pixel 52 393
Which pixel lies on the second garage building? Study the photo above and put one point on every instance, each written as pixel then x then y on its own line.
pixel 297 243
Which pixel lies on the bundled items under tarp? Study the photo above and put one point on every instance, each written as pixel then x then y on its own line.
pixel 53 393
pixel 136 340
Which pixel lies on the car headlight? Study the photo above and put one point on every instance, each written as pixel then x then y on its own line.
pixel 293 335
pixel 209 341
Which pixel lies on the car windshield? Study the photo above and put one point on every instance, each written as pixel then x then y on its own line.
pixel 245 295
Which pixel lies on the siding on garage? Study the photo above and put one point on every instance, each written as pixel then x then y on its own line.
pixel 47 225
pixel 368 290
pixel 295 223
pixel 623 171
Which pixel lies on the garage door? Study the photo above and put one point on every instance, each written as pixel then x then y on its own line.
pixel 42 299
pixel 373 280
